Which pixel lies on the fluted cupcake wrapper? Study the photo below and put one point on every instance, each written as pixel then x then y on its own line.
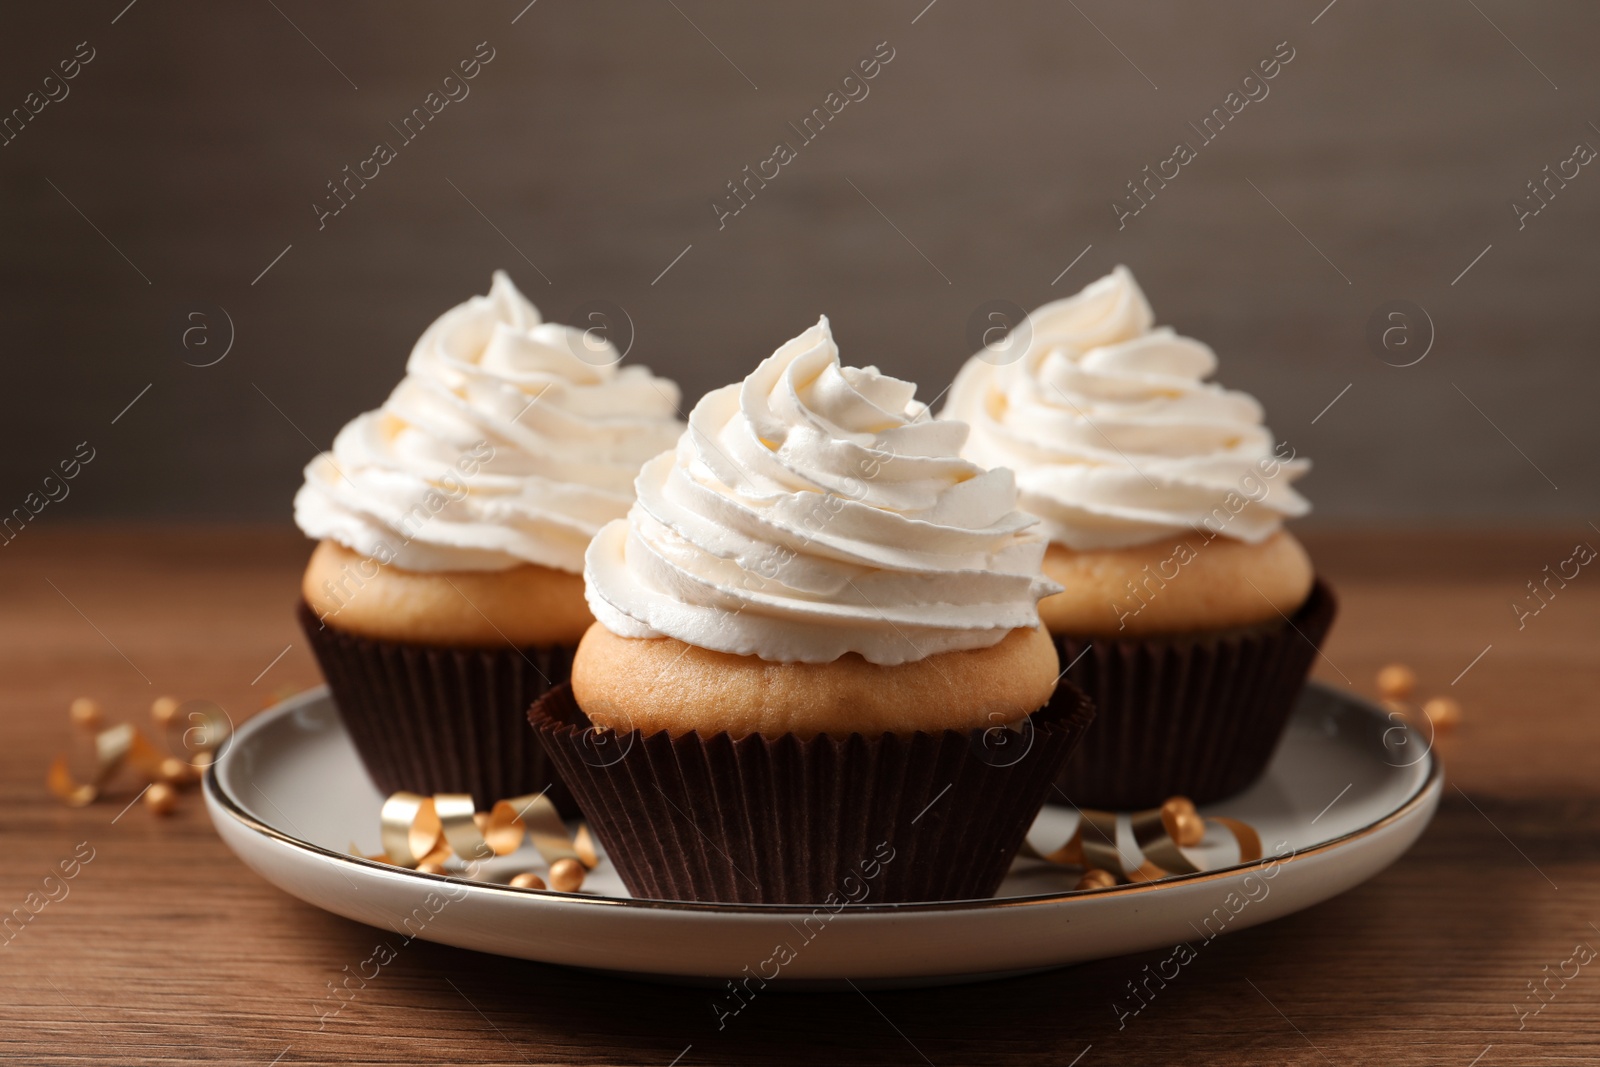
pixel 1194 716
pixel 780 820
pixel 434 719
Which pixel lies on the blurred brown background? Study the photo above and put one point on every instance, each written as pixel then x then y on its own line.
pixel 187 155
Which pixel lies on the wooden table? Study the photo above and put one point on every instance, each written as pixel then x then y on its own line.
pixel 168 950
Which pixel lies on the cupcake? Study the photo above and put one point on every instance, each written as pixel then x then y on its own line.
pixel 817 672
pixel 446 593
pixel 1188 614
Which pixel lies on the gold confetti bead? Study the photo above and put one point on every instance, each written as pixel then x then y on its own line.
pixel 163 710
pixel 566 876
pixel 1397 681
pixel 161 799
pixel 174 771
pixel 527 880
pixel 1443 712
pixel 430 867
pixel 86 713
pixel 1182 823
pixel 1095 878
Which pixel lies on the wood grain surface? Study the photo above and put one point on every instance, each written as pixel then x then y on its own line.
pixel 168 950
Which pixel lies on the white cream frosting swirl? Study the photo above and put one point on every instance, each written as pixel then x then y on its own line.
pixel 1115 437
pixel 813 511
pixel 509 441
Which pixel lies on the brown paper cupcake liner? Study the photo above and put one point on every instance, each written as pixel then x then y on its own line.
pixel 779 820
pixel 1195 716
pixel 434 719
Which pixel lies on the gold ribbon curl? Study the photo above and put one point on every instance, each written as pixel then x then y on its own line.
pixel 1160 834
pixel 419 831
pixel 125 747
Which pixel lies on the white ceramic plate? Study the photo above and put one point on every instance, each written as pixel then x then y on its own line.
pixel 1347 793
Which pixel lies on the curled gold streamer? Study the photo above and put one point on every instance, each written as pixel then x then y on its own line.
pixel 418 830
pixel 410 828
pixel 460 829
pixel 1093 845
pixel 123 746
pixel 583 844
pixel 66 788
